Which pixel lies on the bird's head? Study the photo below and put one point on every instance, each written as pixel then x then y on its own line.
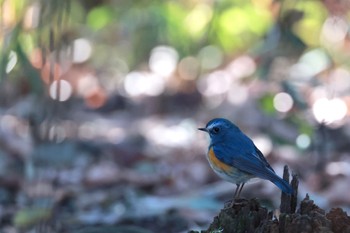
pixel 218 128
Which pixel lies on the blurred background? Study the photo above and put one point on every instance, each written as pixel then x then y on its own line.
pixel 100 101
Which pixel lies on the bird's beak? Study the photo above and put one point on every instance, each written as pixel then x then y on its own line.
pixel 203 129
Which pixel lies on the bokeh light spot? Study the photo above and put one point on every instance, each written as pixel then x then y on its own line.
pixel 172 136
pixel 263 143
pixel 198 18
pixel 12 61
pixel 8 14
pixel 283 102
pixel 31 18
pixel 64 90
pixel 234 14
pixel 116 135
pixel 329 110
pixel 163 60
pixel 133 83
pixel 242 66
pixel 82 50
pixel 334 30
pixel 210 57
pixel 303 141
pixel 238 94
pixel 96 98
pixel 189 68
pixel 317 60
pixel 300 72
pixel 100 16
pixel 215 83
pixel 87 84
pixel 338 168
pixel 142 83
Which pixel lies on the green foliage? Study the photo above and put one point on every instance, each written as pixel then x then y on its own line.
pixel 99 17
pixel 127 31
pixel 231 25
pixel 266 103
pixel 310 27
pixel 241 23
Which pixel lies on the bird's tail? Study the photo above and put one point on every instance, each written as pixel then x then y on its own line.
pixel 282 184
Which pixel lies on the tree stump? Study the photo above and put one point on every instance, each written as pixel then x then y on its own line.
pixel 248 216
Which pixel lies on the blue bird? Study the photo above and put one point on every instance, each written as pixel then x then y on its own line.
pixel 234 157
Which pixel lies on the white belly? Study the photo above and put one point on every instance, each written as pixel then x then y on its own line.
pixel 234 176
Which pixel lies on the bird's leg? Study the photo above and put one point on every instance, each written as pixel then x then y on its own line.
pixel 237 191
pixel 240 190
pixel 230 203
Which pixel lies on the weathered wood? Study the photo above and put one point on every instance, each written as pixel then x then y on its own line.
pixel 248 216
pixel 294 198
pixel 285 199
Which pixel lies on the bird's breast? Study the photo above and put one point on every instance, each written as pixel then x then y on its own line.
pixel 227 172
pixel 216 163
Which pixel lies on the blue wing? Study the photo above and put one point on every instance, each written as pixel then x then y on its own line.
pixel 262 158
pixel 248 158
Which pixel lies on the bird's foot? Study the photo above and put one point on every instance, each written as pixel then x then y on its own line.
pixel 229 204
pixel 235 201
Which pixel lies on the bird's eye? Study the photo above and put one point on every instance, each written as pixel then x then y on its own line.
pixel 216 129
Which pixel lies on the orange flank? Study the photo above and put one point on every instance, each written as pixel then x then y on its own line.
pixel 216 163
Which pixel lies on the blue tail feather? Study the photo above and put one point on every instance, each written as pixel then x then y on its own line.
pixel 283 185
